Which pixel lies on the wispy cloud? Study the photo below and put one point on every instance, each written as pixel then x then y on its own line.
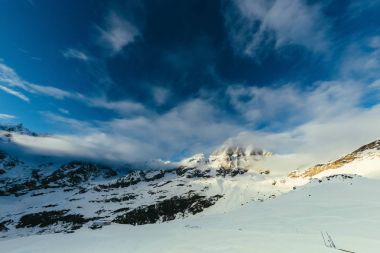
pixel 9 77
pixel 256 25
pixel 14 93
pixel 75 54
pixel 64 111
pixel 117 32
pixel 69 122
pixel 26 52
pixel 6 116
pixel 123 107
pixel 50 91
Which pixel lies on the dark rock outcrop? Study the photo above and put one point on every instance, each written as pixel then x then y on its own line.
pixel 167 210
pixel 48 218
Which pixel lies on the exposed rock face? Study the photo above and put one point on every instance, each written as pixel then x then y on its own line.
pixel 44 219
pixel 167 210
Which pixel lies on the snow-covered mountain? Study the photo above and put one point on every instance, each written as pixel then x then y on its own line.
pixel 228 187
pixel 54 197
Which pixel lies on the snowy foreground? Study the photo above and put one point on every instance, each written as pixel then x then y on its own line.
pixel 348 209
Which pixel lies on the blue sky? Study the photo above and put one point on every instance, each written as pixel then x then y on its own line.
pixel 166 79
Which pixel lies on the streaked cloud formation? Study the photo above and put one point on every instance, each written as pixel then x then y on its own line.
pixel 9 77
pixel 6 116
pixel 14 93
pixel 75 54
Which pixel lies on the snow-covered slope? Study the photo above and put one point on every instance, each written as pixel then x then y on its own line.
pixel 347 209
pixel 224 202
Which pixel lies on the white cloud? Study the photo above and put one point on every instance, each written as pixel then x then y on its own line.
pixel 53 145
pixel 75 54
pixel 117 32
pixel 14 93
pixel 6 116
pixel 123 107
pixel 64 111
pixel 192 127
pixel 50 91
pixel 254 25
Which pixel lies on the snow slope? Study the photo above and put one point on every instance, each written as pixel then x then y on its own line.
pixel 346 208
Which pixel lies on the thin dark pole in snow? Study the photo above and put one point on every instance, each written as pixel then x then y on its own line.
pixel 330 243
pixel 324 241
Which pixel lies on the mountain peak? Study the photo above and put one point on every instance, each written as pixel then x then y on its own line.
pixel 17 128
pixel 233 149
